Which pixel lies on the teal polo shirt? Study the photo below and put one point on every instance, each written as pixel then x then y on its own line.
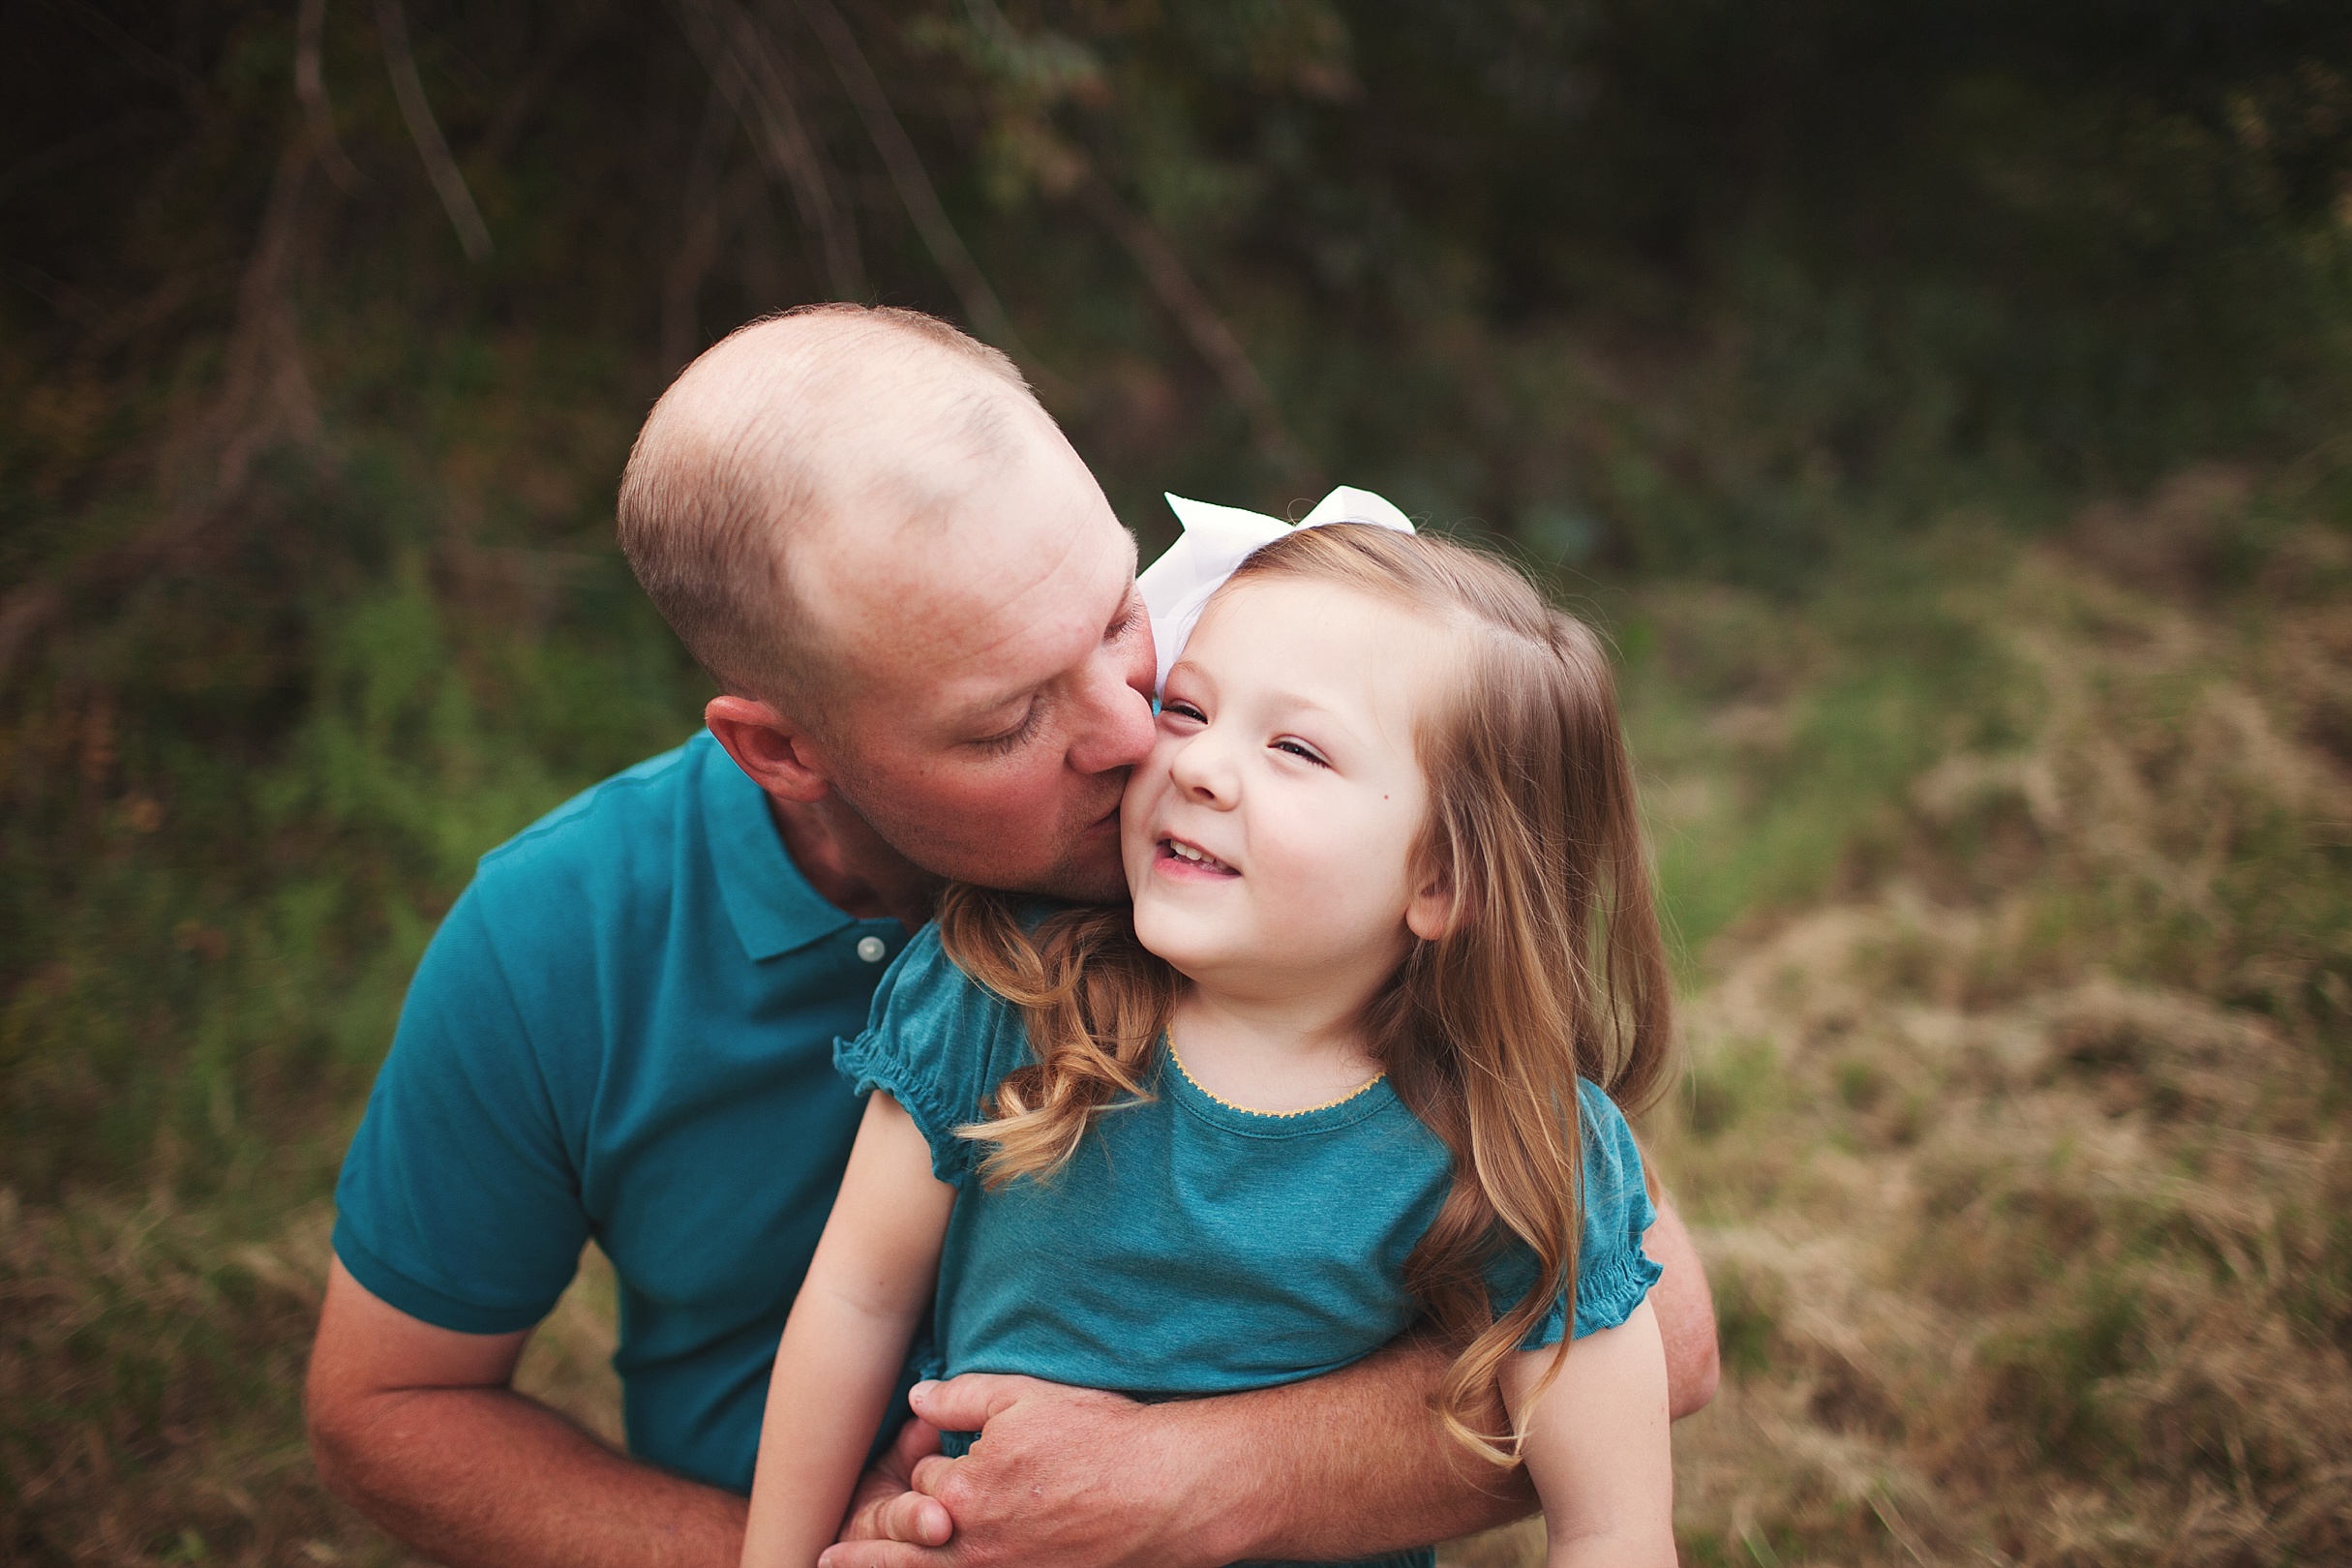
pixel 625 1030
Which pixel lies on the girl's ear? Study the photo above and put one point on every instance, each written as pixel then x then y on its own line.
pixel 1434 912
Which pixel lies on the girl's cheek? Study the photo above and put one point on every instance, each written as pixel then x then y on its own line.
pixel 1310 853
pixel 1146 780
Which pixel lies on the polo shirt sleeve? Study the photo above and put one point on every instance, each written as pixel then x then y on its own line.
pixel 457 1202
pixel 937 1043
pixel 1613 1274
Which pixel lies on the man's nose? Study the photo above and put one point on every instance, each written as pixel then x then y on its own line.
pixel 1114 721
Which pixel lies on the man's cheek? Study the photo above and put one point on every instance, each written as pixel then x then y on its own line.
pixel 1021 805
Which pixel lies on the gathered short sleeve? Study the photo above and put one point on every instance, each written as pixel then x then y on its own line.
pixel 937 1043
pixel 1613 1274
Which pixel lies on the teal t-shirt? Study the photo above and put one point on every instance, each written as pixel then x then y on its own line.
pixel 1191 1247
pixel 625 1030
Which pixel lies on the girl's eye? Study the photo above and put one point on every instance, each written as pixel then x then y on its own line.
pixel 1301 749
pixel 1178 707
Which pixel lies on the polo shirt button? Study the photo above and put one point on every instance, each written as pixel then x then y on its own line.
pixel 871 948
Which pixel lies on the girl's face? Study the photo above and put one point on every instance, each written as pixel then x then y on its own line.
pixel 1266 836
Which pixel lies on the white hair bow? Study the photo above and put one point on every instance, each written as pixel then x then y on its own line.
pixel 1217 539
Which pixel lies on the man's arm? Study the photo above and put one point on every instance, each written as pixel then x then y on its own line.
pixel 1685 1310
pixel 1349 1465
pixel 416 1428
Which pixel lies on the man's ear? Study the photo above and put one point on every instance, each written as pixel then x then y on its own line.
pixel 1434 912
pixel 777 752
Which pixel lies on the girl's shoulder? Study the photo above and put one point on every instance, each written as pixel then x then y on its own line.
pixel 923 981
pixel 1612 1272
pixel 1614 1183
pixel 937 1042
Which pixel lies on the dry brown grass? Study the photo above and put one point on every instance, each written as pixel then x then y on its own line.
pixel 150 1363
pixel 2021 1166
pixel 150 1379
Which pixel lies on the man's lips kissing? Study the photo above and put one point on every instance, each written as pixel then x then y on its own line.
pixel 1179 858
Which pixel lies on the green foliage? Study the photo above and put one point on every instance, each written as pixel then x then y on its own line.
pixel 1732 1085
pixel 232 839
pixel 1644 284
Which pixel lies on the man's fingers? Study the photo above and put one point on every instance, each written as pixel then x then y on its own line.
pixel 910 1518
pixel 882 1508
pixel 915 1439
pixel 881 1554
pixel 967 1403
pixel 929 1474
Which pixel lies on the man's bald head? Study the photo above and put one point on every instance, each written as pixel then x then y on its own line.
pixel 789 431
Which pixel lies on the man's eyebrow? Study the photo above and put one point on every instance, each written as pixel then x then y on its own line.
pixel 1129 610
pixel 1129 602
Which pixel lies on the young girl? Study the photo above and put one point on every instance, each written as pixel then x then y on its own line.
pixel 1347 1064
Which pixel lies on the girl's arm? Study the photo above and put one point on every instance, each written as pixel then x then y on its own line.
pixel 1597 1446
pixel 846 1338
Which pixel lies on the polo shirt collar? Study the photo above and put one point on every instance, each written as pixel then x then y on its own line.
pixel 773 908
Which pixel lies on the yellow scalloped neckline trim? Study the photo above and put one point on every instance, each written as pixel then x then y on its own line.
pixel 1250 1110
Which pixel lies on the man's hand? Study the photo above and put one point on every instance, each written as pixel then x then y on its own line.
pixel 887 1507
pixel 1065 1476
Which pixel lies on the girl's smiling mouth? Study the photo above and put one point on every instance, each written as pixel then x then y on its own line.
pixel 1182 859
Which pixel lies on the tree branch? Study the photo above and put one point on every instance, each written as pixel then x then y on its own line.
pixel 392 25
pixel 263 393
pixel 309 86
pixel 1165 270
pixel 264 390
pixel 736 54
pixel 982 308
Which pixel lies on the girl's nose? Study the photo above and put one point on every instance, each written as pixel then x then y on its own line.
pixel 1203 769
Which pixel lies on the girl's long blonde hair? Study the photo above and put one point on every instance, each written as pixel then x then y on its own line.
pixel 1552 968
